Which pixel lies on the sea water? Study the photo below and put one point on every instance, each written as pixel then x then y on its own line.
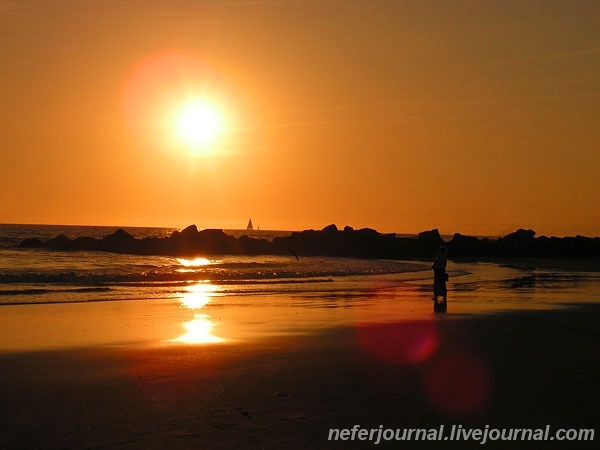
pixel 41 276
pixel 29 276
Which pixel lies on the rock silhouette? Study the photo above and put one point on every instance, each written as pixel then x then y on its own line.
pixel 330 241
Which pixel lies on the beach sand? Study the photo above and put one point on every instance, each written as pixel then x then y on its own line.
pixel 515 369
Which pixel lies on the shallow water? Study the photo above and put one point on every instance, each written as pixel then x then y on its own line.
pixel 57 299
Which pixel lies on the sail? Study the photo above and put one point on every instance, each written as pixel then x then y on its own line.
pixel 250 227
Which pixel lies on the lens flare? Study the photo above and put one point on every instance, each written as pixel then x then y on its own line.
pixel 406 343
pixel 458 384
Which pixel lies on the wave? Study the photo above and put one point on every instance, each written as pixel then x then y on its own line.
pixel 242 273
pixel 326 287
pixel 41 291
pixel 39 276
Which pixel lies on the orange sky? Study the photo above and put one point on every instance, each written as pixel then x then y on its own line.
pixel 471 116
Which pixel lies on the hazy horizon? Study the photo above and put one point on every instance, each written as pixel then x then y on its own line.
pixel 402 116
pixel 340 227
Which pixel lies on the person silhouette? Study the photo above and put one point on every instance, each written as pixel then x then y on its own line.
pixel 440 277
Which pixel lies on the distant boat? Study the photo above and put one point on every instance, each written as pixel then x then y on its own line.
pixel 250 227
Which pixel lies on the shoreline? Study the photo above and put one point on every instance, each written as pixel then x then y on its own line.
pixel 201 315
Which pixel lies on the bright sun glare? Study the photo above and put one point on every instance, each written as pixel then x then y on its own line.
pixel 198 124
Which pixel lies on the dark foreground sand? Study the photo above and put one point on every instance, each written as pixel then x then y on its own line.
pixel 520 370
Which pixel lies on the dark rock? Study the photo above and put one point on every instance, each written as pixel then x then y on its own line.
pixel 154 246
pixel 31 243
pixel 330 229
pixel 120 241
pixel 520 235
pixel 367 233
pixel 364 243
pixel 252 246
pixel 518 243
pixel 60 242
pixel 119 236
pixel 85 243
pixel 461 245
pixel 189 232
pixel 430 241
pixel 186 242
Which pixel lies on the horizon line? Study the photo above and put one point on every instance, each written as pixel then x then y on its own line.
pixel 489 236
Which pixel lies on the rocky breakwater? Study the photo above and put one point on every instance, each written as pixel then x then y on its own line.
pixel 330 241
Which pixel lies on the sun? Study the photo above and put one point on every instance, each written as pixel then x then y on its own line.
pixel 175 102
pixel 197 125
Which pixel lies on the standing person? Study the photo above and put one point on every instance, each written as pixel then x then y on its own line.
pixel 440 276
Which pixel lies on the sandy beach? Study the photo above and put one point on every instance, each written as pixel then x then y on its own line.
pixel 513 369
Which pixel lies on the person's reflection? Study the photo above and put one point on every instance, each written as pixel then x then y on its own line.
pixel 439 280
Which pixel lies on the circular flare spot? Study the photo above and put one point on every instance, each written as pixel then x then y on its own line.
pixel 458 384
pixel 407 343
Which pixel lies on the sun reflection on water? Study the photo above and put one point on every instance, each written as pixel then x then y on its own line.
pixel 197 295
pixel 196 262
pixel 198 330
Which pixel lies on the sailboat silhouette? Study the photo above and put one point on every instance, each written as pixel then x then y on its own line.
pixel 250 227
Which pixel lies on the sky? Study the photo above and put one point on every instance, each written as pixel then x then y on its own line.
pixel 478 117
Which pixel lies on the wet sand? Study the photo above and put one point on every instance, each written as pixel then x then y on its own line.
pixel 515 369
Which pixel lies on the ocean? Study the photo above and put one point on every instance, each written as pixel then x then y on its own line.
pixel 39 276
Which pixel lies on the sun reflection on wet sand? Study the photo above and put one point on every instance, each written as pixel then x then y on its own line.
pixel 199 330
